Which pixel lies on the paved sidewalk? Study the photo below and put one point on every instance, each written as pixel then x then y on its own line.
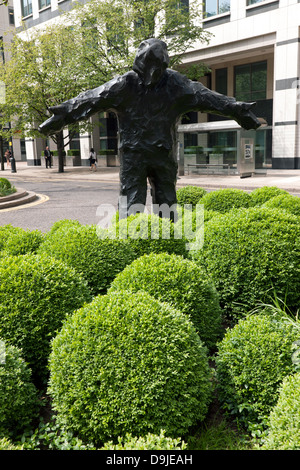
pixel 285 179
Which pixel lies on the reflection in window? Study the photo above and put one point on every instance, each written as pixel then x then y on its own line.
pixel 251 81
pixel 252 2
pixel 221 81
pixel 26 7
pixel 216 7
pixel 11 16
pixel 44 3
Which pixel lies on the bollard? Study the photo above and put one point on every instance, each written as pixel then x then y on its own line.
pixel 13 164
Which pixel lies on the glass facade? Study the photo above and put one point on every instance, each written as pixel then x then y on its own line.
pixel 26 7
pixel 252 2
pixel 44 3
pixel 216 7
pixel 222 148
pixel 250 81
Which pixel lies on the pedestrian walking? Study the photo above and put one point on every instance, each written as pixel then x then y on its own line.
pixel 93 160
pixel 8 157
pixel 47 155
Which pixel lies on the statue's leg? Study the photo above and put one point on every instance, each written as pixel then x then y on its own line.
pixel 163 183
pixel 133 184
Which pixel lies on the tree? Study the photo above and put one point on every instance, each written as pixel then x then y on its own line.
pixel 52 65
pixel 40 73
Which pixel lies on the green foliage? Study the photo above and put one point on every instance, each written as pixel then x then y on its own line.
pixel 17 241
pixel 97 259
pixel 284 422
pixel 148 442
pixel 50 436
pixel 286 202
pixel 127 363
pixel 18 395
pixel 265 193
pixel 250 254
pixel 147 233
pixel 189 195
pixel 6 187
pixel 252 360
pixel 38 292
pixel 6 444
pixel 223 200
pixel 64 223
pixel 180 283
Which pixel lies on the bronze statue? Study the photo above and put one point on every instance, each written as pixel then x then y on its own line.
pixel 148 101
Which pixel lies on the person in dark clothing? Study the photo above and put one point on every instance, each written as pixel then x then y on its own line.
pixel 47 155
pixel 149 101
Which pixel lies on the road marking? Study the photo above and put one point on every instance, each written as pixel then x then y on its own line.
pixel 41 199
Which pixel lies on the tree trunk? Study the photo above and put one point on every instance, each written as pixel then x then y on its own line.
pixel 60 148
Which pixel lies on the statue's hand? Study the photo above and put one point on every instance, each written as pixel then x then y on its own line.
pixel 55 123
pixel 245 117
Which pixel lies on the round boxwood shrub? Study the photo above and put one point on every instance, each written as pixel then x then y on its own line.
pixel 36 294
pixel 284 422
pixel 19 403
pixel 6 187
pixel 97 259
pixel 147 233
pixel 190 195
pixel 286 202
pixel 148 442
pixel 127 363
pixel 223 200
pixel 18 241
pixel 252 255
pixel 179 282
pixel 252 360
pixel 263 194
pixel 64 223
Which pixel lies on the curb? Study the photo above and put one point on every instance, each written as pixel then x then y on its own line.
pixel 20 197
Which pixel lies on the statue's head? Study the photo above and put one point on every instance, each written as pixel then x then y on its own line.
pixel 151 61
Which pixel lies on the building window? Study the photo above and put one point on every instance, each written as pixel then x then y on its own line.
pixel 251 81
pixel 216 7
pixel 11 17
pixel 26 7
pixel 252 2
pixel 44 3
pixel 221 81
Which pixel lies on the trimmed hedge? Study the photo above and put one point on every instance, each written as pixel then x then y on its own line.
pixel 148 442
pixel 190 195
pixel 18 396
pixel 251 255
pixel 17 241
pixel 286 202
pixel 37 294
pixel 6 187
pixel 148 233
pixel 97 259
pixel 265 193
pixel 251 362
pixel 127 363
pixel 182 284
pixel 283 431
pixel 223 200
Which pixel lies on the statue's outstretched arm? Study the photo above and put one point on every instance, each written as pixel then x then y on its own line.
pixel 82 107
pixel 209 101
